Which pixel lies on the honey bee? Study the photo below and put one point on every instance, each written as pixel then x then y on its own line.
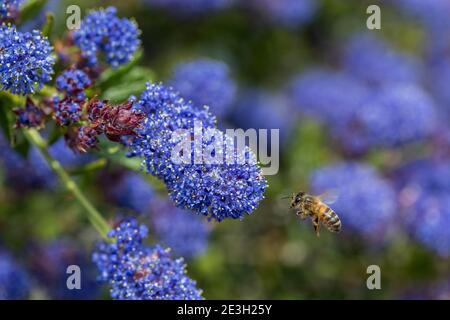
pixel 314 206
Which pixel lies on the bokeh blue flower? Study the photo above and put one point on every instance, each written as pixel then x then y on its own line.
pixel 327 95
pixel 177 229
pixel 190 7
pixel 391 116
pixel 15 283
pixel 424 188
pixel 205 82
pixel 8 8
pixel 366 202
pixel 131 191
pixel 260 109
pixel 373 61
pixel 287 13
pixel 49 263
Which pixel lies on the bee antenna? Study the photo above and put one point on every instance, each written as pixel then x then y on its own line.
pixel 286 197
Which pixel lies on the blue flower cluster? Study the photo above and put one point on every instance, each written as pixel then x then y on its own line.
pixel 26 60
pixel 391 116
pixel 439 73
pixel 190 7
pixel 327 95
pixel 32 116
pixel 132 192
pixel 205 82
pixel 362 117
pixel 102 31
pixel 8 8
pixel 366 203
pixel 372 60
pixel 177 229
pixel 424 188
pixel 139 272
pixel 25 173
pixel 14 281
pixel 33 171
pixel 434 13
pixel 73 82
pixel 66 111
pixel 288 13
pixel 49 263
pixel 226 190
pixel 66 156
pixel 259 109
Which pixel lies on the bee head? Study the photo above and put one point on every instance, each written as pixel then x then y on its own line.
pixel 297 198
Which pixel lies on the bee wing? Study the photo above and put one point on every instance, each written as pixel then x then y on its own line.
pixel 329 197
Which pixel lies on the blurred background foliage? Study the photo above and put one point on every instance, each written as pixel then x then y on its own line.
pixel 271 253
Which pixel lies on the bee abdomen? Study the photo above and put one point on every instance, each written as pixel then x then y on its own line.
pixel 332 221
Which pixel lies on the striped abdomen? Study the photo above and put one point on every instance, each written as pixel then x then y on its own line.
pixel 327 216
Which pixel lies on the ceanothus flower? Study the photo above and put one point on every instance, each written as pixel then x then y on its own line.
pixel 259 109
pixel 327 95
pixel 431 12
pixel 32 116
pixel 288 13
pixel 9 8
pixel 132 192
pixel 360 118
pixel 424 188
pixel 366 202
pixel 372 60
pixel 226 189
pixel 101 31
pixel 136 271
pixel 177 229
pixel 23 173
pixel 26 60
pixel 205 82
pixel 438 74
pixel 33 172
pixel 66 111
pixel 73 82
pixel 49 263
pixel 14 281
pixel 391 116
pixel 190 7
pixel 439 290
pixel 66 156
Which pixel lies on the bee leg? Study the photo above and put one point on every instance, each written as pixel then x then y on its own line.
pixel 316 225
pixel 301 215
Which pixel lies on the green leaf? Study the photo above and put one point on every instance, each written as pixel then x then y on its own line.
pixel 48 26
pixel 91 166
pixel 133 83
pixel 6 117
pixel 31 9
pixel 114 76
